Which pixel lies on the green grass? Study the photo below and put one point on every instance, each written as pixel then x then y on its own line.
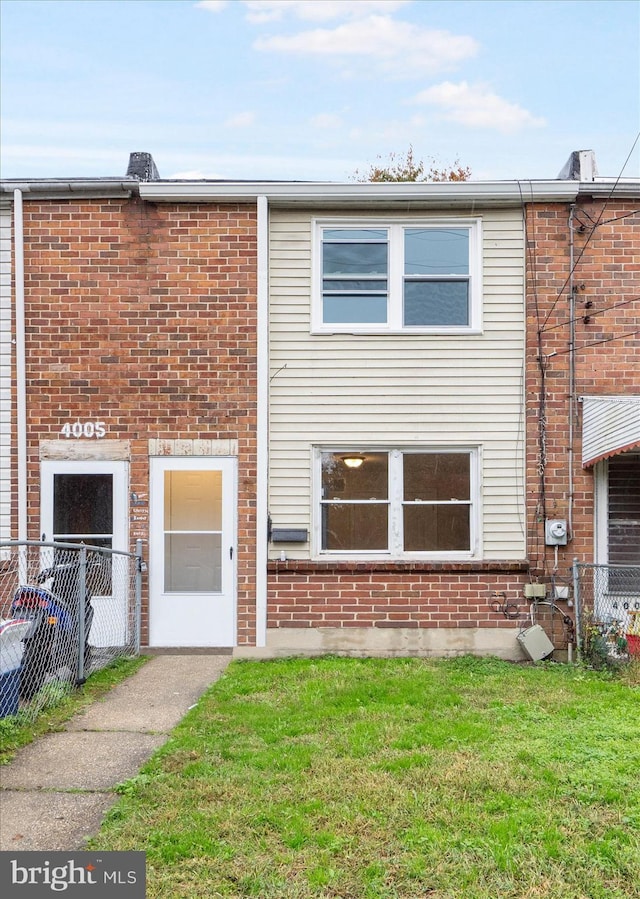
pixel 450 779
pixel 58 703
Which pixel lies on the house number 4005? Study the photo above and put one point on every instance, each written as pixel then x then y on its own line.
pixel 84 429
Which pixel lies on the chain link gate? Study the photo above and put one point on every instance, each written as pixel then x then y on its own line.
pixel 607 611
pixel 66 610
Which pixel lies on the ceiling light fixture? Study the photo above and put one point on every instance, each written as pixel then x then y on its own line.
pixel 354 460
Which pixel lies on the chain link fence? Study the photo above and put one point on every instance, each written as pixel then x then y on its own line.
pixel 607 612
pixel 66 610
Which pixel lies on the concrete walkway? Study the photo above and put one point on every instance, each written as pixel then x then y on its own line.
pixel 54 794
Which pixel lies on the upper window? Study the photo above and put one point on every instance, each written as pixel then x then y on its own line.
pixel 398 502
pixel 396 277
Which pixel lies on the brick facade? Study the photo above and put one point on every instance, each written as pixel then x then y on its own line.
pixel 606 285
pixel 390 595
pixel 144 316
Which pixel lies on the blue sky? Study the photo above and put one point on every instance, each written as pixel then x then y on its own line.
pixel 299 90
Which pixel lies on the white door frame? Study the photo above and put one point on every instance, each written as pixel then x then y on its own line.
pixel 194 628
pixel 110 625
pixel 120 472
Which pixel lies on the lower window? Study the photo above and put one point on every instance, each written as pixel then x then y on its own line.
pixel 398 502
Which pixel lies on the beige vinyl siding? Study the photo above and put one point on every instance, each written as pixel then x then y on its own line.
pixel 5 371
pixel 399 390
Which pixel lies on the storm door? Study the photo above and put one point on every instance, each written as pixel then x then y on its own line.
pixel 192 552
pixel 86 502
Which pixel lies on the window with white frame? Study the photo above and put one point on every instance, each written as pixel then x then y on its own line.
pixel 398 502
pixel 418 276
pixel 618 520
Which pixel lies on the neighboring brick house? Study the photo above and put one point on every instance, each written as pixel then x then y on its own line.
pixel 141 383
pixel 583 377
pixel 350 370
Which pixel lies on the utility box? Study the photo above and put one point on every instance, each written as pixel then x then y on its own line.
pixel 555 532
pixel 535 643
pixel 289 535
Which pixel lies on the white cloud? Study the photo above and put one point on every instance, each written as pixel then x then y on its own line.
pixel 325 121
pixel 21 152
pixel 212 5
pixel 400 48
pixel 476 106
pixel 240 120
pixel 318 10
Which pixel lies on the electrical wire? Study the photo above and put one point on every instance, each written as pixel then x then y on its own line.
pixel 590 313
pixel 540 549
pixel 608 221
pixel 596 224
pixel 567 620
pixel 594 343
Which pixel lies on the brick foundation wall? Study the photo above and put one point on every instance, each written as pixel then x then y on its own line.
pixel 393 595
pixel 144 316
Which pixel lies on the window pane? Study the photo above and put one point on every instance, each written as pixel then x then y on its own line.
pixel 193 500
pixel 433 477
pixel 353 285
pixel 357 308
pixel 354 527
pixel 369 481
pixel 624 512
pixel 436 251
pixel 436 528
pixel 83 504
pixel 436 303
pixel 354 259
pixel 352 234
pixel 193 563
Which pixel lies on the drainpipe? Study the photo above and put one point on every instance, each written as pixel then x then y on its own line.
pixel 572 367
pixel 21 375
pixel 262 438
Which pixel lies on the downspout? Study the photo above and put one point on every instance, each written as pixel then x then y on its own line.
pixel 21 375
pixel 572 368
pixel 262 424
pixel 572 413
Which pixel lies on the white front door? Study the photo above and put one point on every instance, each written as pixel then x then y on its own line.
pixel 86 502
pixel 192 583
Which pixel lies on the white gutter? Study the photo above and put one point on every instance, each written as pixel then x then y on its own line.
pixel 21 374
pixel 262 425
pixel 54 187
pixel 330 193
pixel 623 189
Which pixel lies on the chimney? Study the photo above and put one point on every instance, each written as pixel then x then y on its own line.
pixel 142 167
pixel 580 166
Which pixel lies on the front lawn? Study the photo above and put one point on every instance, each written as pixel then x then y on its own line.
pixel 357 778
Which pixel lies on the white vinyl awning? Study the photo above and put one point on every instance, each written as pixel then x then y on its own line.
pixel 610 425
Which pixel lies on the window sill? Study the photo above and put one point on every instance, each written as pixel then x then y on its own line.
pixel 396 332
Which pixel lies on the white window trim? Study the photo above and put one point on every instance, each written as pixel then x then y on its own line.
pixel 395 502
pixel 601 513
pixel 394 325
